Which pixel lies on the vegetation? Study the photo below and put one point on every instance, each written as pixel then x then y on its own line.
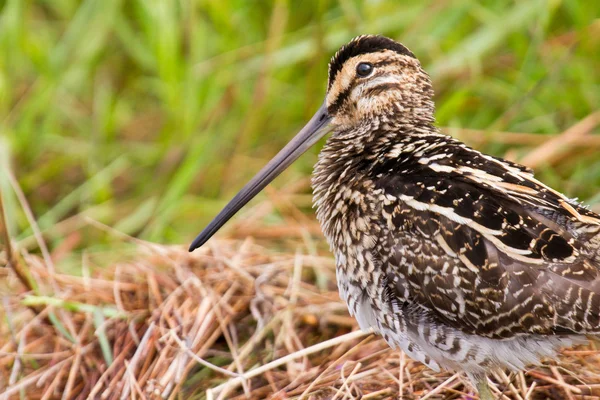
pixel 141 118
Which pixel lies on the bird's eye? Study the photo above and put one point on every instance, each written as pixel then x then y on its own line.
pixel 364 69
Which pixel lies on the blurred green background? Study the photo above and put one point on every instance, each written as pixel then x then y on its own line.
pixel 148 115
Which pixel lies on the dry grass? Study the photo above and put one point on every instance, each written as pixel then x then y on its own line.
pixel 229 321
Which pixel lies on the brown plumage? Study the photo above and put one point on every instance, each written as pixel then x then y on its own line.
pixel 463 260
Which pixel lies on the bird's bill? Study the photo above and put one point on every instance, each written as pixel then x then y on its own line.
pixel 315 129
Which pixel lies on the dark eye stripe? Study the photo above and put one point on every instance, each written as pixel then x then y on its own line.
pixel 335 106
pixel 385 62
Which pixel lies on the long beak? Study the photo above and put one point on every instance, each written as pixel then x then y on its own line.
pixel 313 131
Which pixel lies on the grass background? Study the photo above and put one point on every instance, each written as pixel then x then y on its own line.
pixel 149 115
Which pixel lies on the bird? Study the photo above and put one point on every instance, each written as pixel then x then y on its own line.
pixel 463 260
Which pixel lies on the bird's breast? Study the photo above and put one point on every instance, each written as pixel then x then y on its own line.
pixel 349 210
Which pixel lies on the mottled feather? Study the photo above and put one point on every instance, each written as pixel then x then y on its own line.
pixel 464 260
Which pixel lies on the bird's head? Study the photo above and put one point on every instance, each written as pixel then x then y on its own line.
pixel 371 78
pixel 374 77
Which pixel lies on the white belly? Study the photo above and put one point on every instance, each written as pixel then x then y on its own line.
pixel 443 347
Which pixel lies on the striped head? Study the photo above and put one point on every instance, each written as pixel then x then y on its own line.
pixel 374 77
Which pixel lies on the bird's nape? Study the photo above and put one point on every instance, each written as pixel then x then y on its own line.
pixel 315 129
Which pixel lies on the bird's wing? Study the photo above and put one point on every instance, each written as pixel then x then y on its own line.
pixel 490 250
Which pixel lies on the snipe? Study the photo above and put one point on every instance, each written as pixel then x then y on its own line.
pixel 463 260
